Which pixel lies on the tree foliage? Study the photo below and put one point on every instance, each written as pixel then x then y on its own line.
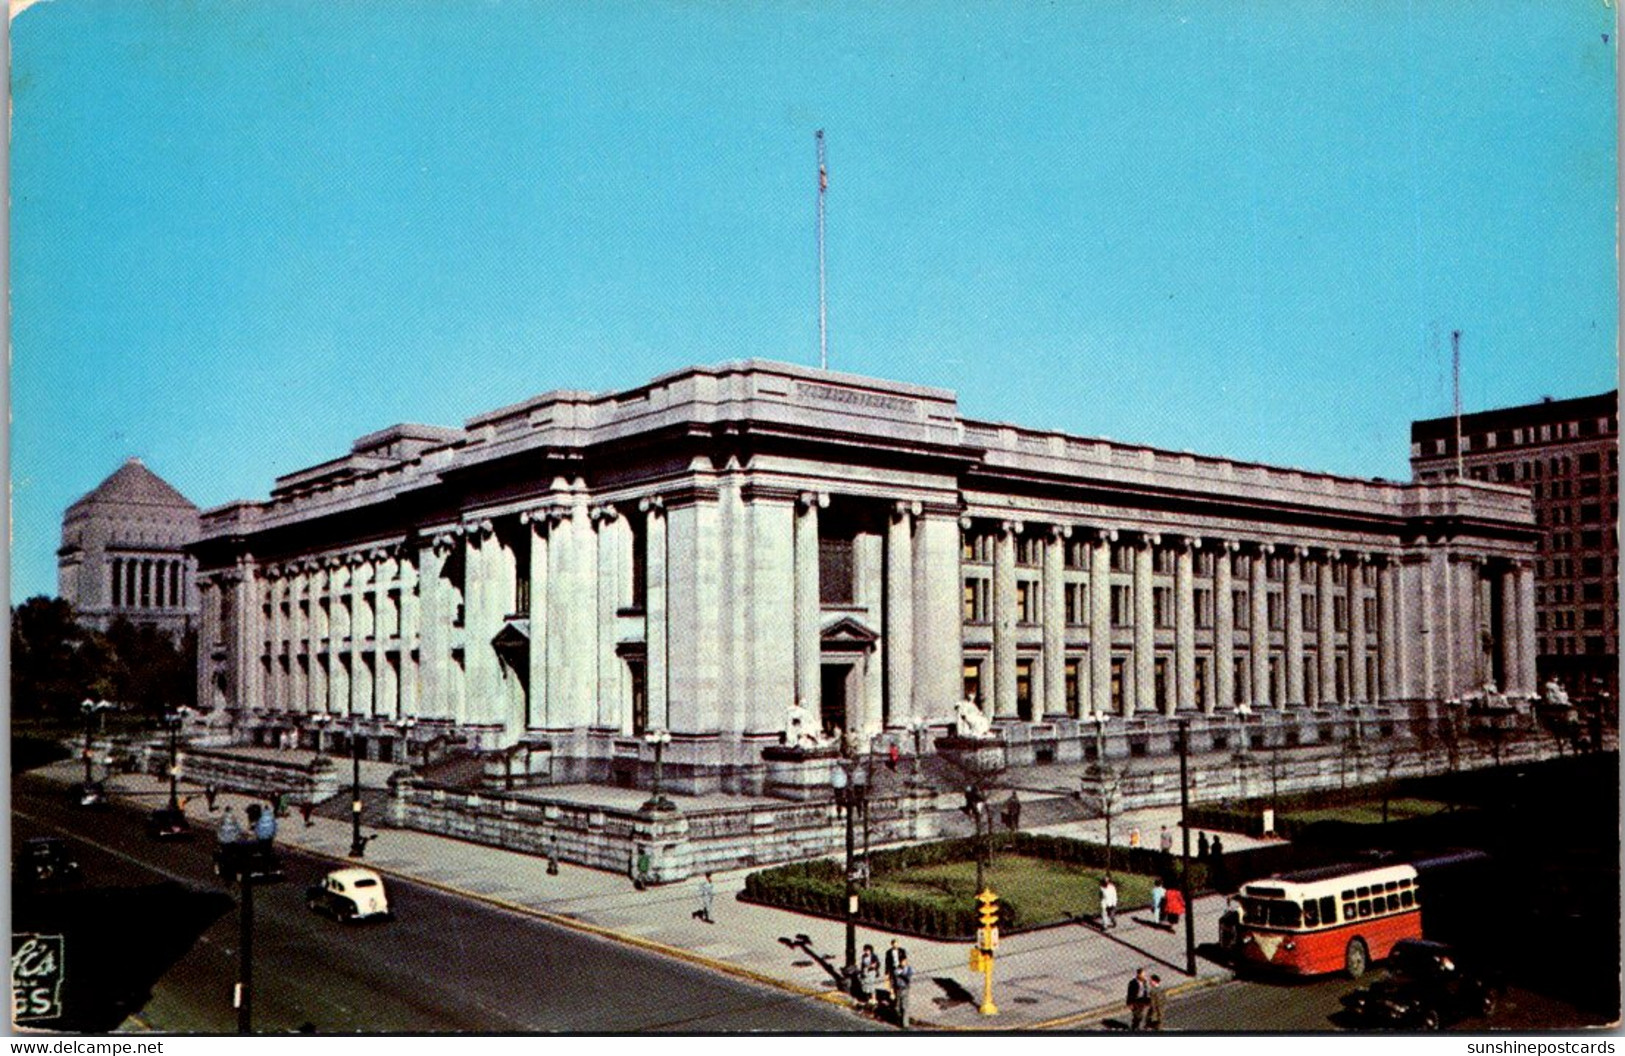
pixel 56 663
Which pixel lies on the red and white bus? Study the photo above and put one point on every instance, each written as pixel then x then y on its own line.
pixel 1340 917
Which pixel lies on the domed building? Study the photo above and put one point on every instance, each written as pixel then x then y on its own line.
pixel 123 553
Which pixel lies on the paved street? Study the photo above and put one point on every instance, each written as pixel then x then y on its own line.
pixel 153 919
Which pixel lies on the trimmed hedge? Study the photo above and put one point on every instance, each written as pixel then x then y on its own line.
pixel 818 887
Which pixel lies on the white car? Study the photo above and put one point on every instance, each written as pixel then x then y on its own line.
pixel 349 895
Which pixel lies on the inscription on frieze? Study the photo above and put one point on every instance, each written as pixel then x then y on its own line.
pixel 830 394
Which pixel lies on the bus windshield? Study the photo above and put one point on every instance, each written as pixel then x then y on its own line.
pixel 1271 912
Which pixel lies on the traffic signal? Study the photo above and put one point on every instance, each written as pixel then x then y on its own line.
pixel 989 908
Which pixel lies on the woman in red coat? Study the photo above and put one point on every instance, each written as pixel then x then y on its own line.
pixel 1173 906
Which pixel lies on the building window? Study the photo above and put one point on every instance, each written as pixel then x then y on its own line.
pixel 978 548
pixel 1024 690
pixel 1162 603
pixel 1029 550
pixel 1163 560
pixel 637 676
pixel 1340 573
pixel 1204 562
pixel 1122 559
pixel 1122 605
pixel 1074 686
pixel 1119 667
pixel 977 595
pixel 1077 554
pixel 1201 681
pixel 1277 617
pixel 1370 613
pixel 1275 569
pixel 1239 667
pixel 1028 601
pixel 1340 614
pixel 835 571
pixel 1203 599
pixel 973 680
pixel 1077 604
pixel 640 561
pixel 1240 611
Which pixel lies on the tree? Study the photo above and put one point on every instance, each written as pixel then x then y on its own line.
pixel 52 669
pixel 1104 790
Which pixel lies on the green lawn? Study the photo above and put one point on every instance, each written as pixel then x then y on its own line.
pixel 1368 813
pixel 1047 891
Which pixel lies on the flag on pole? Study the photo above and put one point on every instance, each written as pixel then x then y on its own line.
pixel 823 178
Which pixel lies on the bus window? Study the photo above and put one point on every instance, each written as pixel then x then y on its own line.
pixel 1418 890
pixel 1328 910
pixel 1393 903
pixel 1311 914
pixel 1285 914
pixel 1405 899
pixel 1365 907
pixel 1405 882
pixel 1392 885
pixel 1348 896
pixel 1255 911
pixel 1363 892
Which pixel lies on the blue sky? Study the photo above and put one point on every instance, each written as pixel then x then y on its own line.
pixel 244 233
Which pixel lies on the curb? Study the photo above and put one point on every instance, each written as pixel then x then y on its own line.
pixel 1101 1012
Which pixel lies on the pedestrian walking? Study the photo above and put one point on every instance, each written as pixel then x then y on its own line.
pixel 1166 840
pixel 230 830
pixel 1134 837
pixel 1201 845
pixel 1012 812
pixel 306 809
pixel 1217 874
pixel 265 826
pixel 1174 906
pixel 708 894
pixel 552 854
pixel 1138 999
pixel 1156 1004
pixel 902 981
pixel 894 957
pixel 209 792
pixel 1108 903
pixel 868 975
pixel 1158 893
pixel 640 868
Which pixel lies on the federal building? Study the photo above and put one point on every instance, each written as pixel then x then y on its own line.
pixel 700 553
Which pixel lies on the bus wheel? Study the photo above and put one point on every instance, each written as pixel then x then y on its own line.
pixel 1356 959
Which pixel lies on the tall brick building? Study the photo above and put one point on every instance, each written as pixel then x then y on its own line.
pixel 1566 452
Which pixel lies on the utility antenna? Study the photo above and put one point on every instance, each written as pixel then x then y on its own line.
pixel 823 323
pixel 1455 378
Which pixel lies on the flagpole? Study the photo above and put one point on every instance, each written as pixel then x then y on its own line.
pixel 823 325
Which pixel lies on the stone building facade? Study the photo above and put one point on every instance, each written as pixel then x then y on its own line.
pixel 1565 454
pixel 123 552
pixel 699 553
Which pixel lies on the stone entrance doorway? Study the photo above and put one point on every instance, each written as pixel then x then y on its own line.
pixel 834 689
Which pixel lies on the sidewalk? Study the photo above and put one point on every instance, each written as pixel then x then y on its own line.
pixel 1071 976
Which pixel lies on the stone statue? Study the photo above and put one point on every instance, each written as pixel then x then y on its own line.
pixel 1244 708
pixel 801 729
pixel 969 721
pixel 1556 694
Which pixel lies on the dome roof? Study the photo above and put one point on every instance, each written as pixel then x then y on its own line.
pixel 133 484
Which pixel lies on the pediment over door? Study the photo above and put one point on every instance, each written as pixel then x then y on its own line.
pixel 848 634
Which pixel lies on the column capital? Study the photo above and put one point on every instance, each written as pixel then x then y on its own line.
pixel 603 512
pixel 652 505
pixel 1105 535
pixel 479 529
pixel 1146 540
pixel 1188 543
pixel 1012 527
pixel 1299 552
pixel 1060 531
pixel 964 522
pixel 903 509
pixel 1229 546
pixel 545 516
pixel 1264 549
pixel 809 500
pixel 443 542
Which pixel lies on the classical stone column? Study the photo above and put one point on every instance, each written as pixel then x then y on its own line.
pixel 770 626
pixel 1327 651
pixel 250 635
pixel 299 644
pixel 1294 626
pixel 538 521
pixel 1144 697
pixel 276 689
pixel 407 632
pixel 1100 620
pixel 1004 619
pixel 899 608
pixel 1224 629
pixel 1185 625
pixel 1258 601
pixel 654 616
pixel 1387 629
pixel 437 607
pixel 1358 690
pixel 1438 619
pixel 938 614
pixel 572 622
pixel 208 634
pixel 1526 629
pixel 695 602
pixel 808 645
pixel 361 687
pixel 482 621
pixel 1470 675
pixel 614 567
pixel 1054 593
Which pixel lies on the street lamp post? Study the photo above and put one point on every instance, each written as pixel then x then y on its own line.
pixel 92 709
pixel 917 726
pixel 320 721
pixel 658 739
pixel 358 846
pixel 1185 859
pixel 405 724
pixel 172 720
pixel 850 782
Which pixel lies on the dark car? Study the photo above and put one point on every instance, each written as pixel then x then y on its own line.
pixel 166 823
pixel 256 861
pixel 1426 987
pixel 45 863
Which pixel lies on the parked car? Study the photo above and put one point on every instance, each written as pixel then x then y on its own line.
pixel 1426 987
pixel 44 863
pixel 168 824
pixel 258 861
pixel 349 895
